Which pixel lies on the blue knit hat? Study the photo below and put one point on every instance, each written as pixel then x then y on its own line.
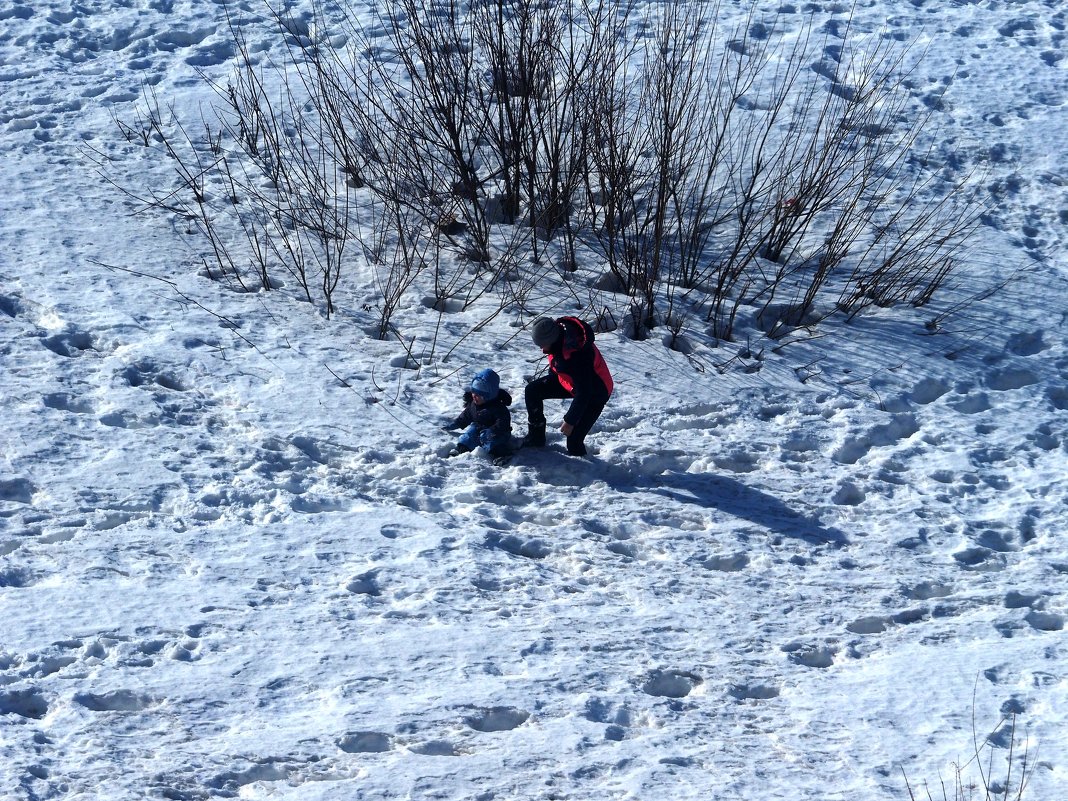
pixel 486 383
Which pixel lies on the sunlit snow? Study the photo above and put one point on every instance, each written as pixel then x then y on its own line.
pixel 236 562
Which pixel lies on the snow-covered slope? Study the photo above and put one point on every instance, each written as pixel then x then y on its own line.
pixel 234 561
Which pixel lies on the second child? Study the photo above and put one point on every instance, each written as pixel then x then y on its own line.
pixel 486 419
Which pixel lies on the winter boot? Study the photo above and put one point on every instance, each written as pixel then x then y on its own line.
pixel 535 437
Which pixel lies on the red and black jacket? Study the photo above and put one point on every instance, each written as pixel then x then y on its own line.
pixel 579 367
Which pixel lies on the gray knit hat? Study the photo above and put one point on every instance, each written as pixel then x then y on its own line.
pixel 545 332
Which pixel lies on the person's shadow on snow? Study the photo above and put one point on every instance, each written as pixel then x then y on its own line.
pixel 736 498
pixel 727 494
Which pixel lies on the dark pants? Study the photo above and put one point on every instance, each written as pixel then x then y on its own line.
pixel 540 390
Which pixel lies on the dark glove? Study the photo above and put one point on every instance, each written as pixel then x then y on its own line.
pixel 450 425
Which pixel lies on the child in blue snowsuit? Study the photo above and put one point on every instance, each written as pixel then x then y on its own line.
pixel 486 420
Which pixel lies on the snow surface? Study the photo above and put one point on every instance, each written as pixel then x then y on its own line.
pixel 236 564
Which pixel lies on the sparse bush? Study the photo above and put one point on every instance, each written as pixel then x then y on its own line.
pixel 978 778
pixel 457 144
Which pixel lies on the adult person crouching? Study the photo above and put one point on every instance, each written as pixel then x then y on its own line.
pixel 577 371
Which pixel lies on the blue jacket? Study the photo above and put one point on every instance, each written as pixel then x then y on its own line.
pixel 488 426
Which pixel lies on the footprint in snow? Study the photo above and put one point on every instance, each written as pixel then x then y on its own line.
pixel 900 427
pixel 148 374
pixel 980 560
pixel 929 390
pixel 753 692
pixel 269 770
pixel 926 590
pixel 61 401
pixel 1019 600
pixel 497 719
pixel 436 748
pixel 1011 378
pixel 69 344
pixel 17 577
pixel 728 563
pixel 1058 398
pixel 869 625
pixel 24 703
pixel 671 683
pixel 10 306
pixel 973 403
pixel 1029 343
pixel 365 742
pixel 18 490
pixel 848 494
pixel 1045 621
pixel 814 656
pixel 533 548
pixel 115 701
pixel 365 584
pixel 391 531
pixel 1044 437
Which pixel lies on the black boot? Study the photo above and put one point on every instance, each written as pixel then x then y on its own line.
pixel 535 437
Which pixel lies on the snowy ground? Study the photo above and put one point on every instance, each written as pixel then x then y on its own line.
pixel 226 573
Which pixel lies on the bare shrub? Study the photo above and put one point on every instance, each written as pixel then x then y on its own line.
pixel 655 150
pixel 461 143
pixel 726 170
pixel 992 784
pixel 828 211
